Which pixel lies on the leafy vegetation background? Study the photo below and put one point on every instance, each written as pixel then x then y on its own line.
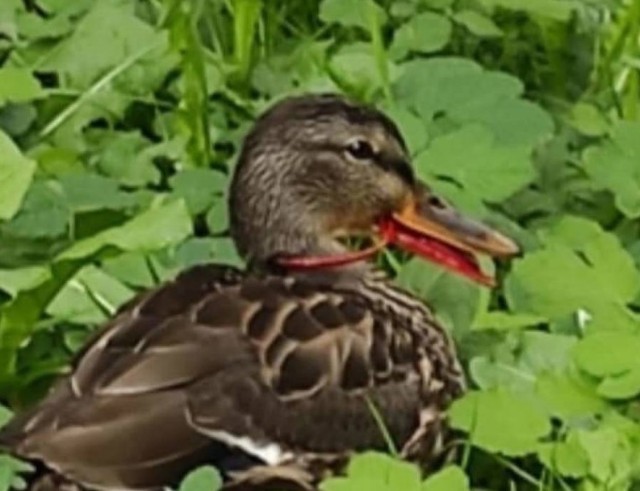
pixel 120 120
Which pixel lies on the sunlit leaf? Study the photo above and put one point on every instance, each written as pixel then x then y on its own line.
pixel 16 172
pixel 500 422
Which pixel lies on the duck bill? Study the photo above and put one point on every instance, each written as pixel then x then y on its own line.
pixel 435 231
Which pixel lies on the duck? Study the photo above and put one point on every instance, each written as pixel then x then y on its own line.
pixel 272 373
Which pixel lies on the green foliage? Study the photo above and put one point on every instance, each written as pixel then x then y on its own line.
pixel 205 478
pixel 120 121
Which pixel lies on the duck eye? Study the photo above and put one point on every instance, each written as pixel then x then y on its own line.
pixel 361 150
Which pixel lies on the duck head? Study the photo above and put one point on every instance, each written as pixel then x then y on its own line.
pixel 316 168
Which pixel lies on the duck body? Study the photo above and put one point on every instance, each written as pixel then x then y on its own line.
pixel 274 369
pixel 273 374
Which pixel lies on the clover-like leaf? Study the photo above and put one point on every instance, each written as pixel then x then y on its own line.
pixel 206 478
pixel 615 166
pixel 451 478
pixel 477 23
pixel 459 91
pixel 18 85
pixel 376 472
pixel 613 358
pixel 200 188
pixel 581 269
pixel 499 421
pixel 423 33
pixel 350 12
pixel 458 164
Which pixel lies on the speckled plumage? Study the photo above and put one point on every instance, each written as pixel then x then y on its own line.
pixel 286 359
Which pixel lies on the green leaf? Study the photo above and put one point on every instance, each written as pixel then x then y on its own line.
pixel 450 478
pixel 557 10
pixel 615 166
pixel 581 269
pixel 376 472
pixel 205 478
pixel 74 58
pixel 588 119
pixel 459 91
pixel 127 158
pixel 455 299
pixel 566 397
pixel 151 230
pixel 567 458
pixel 467 157
pixel 500 422
pixel 350 12
pixel 14 281
pixel 613 357
pixel 354 68
pixel 607 453
pixel 44 213
pixel 90 297
pixel 504 321
pixel 477 23
pixel 16 173
pixel 200 188
pixel 425 33
pixel 18 85
pixel 91 192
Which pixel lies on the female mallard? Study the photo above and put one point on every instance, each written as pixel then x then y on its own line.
pixel 269 373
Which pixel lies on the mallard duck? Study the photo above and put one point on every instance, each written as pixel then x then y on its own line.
pixel 271 373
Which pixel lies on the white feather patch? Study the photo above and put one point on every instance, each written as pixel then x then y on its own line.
pixel 269 453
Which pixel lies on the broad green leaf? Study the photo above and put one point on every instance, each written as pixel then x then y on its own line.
pixel 608 353
pixel 131 268
pixel 613 357
pixel 44 213
pixel 459 91
pixel 581 269
pixel 127 158
pixel 588 119
pixel 477 23
pixel 566 458
pixel 566 397
pixel 503 321
pixel 615 166
pixel 13 281
pixel 74 58
pixel 499 421
pixel 151 230
pixel 350 12
pixel 90 297
pixel 607 453
pixel 424 33
pixel 16 172
pixel 18 85
pixel 354 68
pixel 517 362
pixel 455 299
pixel 199 188
pixel 205 478
pixel 413 129
pixel 376 472
pixel 89 192
pixel 470 154
pixel 450 478
pixel 557 10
